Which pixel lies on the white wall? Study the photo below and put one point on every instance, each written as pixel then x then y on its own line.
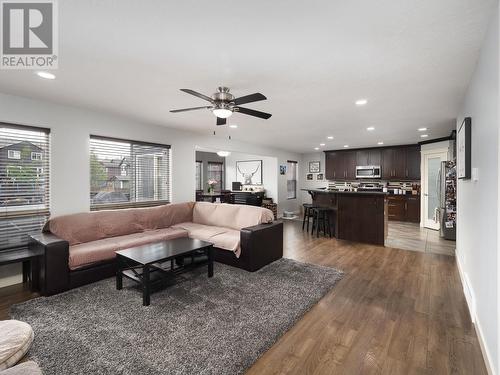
pixel 477 205
pixel 70 130
pixel 270 172
pixel 304 170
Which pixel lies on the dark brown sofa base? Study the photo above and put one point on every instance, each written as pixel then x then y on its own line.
pixel 260 245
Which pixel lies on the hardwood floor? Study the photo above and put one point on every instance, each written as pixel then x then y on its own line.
pixel 410 236
pixel 395 312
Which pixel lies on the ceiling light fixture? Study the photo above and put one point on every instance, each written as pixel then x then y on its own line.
pixel 370 128
pixel 345 146
pixel 233 126
pixel 46 75
pixel 222 112
pixel 380 143
pixel 422 129
pixel 361 102
pixel 424 135
pixel 321 144
pixel 330 137
pixel 223 154
pixel 316 148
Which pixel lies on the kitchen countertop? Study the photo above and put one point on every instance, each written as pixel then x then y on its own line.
pixel 327 191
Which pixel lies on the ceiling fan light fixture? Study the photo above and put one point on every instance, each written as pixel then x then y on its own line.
pixel 223 154
pixel 222 112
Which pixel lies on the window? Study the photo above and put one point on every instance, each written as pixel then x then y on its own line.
pixel 199 175
pixel 36 156
pixel 215 171
pixel 291 179
pixel 14 154
pixel 128 173
pixel 24 183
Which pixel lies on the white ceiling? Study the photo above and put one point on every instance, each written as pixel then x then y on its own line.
pixel 412 60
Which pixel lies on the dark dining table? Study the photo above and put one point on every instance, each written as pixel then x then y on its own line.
pixel 212 196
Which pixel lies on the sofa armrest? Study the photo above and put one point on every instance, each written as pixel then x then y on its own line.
pixel 53 267
pixel 261 244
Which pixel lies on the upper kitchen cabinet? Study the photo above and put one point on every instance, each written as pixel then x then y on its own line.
pixel 413 163
pixel 401 163
pixel 369 156
pixel 340 165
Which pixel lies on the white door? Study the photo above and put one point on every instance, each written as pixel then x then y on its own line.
pixel 431 173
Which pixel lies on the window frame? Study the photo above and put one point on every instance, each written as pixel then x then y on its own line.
pixel 142 203
pixel 16 152
pixel 221 182
pixel 200 185
pixel 28 218
pixel 37 154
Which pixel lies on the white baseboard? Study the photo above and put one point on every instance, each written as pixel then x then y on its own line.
pixel 471 304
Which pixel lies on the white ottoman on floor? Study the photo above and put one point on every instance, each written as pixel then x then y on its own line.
pixel 15 340
pixel 25 368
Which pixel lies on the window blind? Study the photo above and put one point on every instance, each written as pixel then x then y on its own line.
pixel 126 173
pixel 24 183
pixel 291 179
pixel 199 178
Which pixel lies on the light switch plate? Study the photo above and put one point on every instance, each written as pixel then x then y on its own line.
pixel 475 174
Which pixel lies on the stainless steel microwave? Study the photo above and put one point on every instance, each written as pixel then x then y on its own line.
pixel 368 171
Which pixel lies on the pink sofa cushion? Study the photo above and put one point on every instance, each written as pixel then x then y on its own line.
pixel 92 226
pixel 223 238
pixel 200 231
pixel 97 251
pixel 234 216
pixel 229 240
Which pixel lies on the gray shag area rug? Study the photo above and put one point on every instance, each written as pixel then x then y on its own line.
pixel 218 326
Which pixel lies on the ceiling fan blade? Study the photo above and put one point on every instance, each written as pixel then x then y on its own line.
pixel 189 109
pixel 221 121
pixel 252 112
pixel 192 92
pixel 249 98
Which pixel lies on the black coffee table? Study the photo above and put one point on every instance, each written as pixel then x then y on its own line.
pixel 139 263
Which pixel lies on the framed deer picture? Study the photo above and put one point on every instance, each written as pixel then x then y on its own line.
pixel 249 172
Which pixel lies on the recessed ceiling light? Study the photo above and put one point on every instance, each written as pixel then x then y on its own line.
pixel 321 144
pixel 370 128
pixel 345 146
pixel 422 129
pixel 361 102
pixel 316 148
pixel 424 135
pixel 330 137
pixel 233 126
pixel 46 75
pixel 380 143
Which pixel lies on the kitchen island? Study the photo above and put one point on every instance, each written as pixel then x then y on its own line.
pixel 359 216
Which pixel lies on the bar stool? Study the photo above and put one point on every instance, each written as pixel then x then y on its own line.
pixel 321 218
pixel 307 214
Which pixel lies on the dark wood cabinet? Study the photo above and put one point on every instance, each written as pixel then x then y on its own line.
pixel 413 209
pixel 340 165
pixel 350 165
pixel 413 163
pixel 371 156
pixel 387 163
pixel 399 163
pixel 404 208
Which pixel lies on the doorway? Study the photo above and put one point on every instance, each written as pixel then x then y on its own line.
pixel 431 175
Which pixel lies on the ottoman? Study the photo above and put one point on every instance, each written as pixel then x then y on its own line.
pixel 25 368
pixel 15 341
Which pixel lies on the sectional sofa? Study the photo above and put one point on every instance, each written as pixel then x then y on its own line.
pixel 80 248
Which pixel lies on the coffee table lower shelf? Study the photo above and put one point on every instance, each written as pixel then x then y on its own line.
pixel 143 264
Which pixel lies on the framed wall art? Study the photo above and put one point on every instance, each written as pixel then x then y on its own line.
pixel 314 167
pixel 464 150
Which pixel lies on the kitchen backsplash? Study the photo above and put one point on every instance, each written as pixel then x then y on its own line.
pixel 403 187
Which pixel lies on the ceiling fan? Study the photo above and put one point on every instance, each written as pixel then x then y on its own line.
pixel 224 104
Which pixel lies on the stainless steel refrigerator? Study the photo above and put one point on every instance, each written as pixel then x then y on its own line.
pixel 447 191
